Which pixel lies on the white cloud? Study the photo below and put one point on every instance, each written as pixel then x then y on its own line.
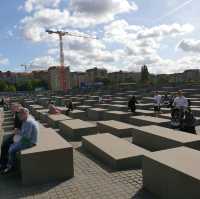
pixel 3 60
pixel 79 14
pixel 42 63
pixel 123 47
pixel 165 30
pixel 190 45
pixel 31 5
pixel 101 8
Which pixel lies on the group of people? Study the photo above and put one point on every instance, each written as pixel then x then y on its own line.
pixel 181 114
pixel 24 136
pixel 55 110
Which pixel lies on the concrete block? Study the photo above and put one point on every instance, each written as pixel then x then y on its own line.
pixel 173 173
pixel 113 151
pixel 78 114
pixel 155 138
pixel 96 114
pixel 54 119
pixel 75 129
pixel 116 128
pixel 141 120
pixel 117 115
pixel 50 160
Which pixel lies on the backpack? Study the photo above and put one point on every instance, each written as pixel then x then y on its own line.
pixel 189 119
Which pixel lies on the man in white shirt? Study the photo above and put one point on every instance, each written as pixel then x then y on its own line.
pixel 180 101
pixel 157 102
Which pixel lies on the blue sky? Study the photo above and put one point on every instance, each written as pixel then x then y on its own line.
pixel 164 34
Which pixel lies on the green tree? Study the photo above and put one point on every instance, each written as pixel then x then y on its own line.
pixel 11 88
pixel 29 85
pixel 3 85
pixel 144 74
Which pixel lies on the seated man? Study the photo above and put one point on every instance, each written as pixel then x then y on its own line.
pixel 23 139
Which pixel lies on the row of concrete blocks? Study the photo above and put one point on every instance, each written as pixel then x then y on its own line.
pixel 170 174
pixel 98 114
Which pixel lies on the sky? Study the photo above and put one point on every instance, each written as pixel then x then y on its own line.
pixel 163 34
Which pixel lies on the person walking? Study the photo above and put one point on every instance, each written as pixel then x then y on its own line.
pixel 157 103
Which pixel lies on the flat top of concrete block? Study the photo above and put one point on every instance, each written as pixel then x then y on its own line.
pixel 42 110
pixel 84 106
pixel 28 101
pixel 120 101
pixel 77 111
pixel 116 147
pixel 44 98
pixel 36 106
pixel 196 109
pixel 183 159
pixel 48 140
pixel 143 111
pixel 171 134
pixel 58 97
pixel 118 112
pixel 104 104
pixel 77 124
pixel 150 119
pixel 118 105
pixel 58 117
pixel 98 109
pixel 117 125
pixel 145 104
pixel 166 114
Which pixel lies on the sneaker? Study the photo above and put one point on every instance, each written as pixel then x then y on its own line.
pixel 7 170
pixel 2 167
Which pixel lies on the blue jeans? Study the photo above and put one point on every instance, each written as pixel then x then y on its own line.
pixel 13 149
pixel 7 142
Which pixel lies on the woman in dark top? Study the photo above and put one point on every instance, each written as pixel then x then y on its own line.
pixel 17 121
pixel 69 107
pixel 131 104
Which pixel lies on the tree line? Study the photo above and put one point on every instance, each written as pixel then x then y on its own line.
pixel 28 85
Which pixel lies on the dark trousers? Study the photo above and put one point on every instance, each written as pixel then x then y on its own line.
pixel 133 108
pixel 4 149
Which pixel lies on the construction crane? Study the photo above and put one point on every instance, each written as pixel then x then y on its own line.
pixel 27 66
pixel 61 34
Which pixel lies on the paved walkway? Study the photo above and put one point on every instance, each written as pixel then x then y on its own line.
pixel 92 180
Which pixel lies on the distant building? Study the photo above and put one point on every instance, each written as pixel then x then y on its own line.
pixel 123 77
pixel 77 79
pixel 41 75
pixel 191 75
pixel 95 74
pixel 54 78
